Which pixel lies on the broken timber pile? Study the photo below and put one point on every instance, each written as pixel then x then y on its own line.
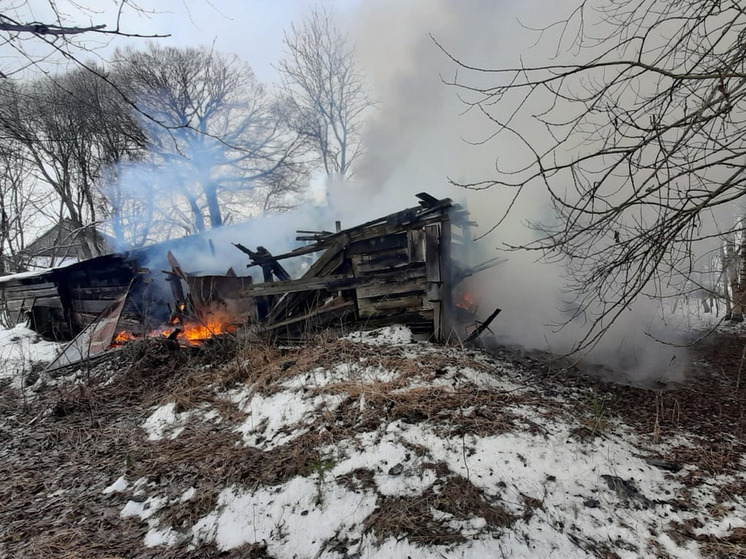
pixel 60 302
pixel 393 269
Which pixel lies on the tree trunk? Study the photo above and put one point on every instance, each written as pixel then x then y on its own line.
pixel 736 313
pixel 213 205
pixel 724 280
pixel 199 221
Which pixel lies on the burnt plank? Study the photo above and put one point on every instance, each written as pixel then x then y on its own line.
pixel 13 287
pixel 371 307
pixel 402 273
pixel 368 263
pixel 416 245
pixel 392 288
pixel 379 227
pixel 325 313
pixel 30 291
pixel 326 264
pixel 434 291
pixel 91 306
pixel 51 302
pixel 388 229
pixel 432 253
pixel 446 325
pixel 330 260
pixel 329 283
pixel 427 200
pixel 102 292
pixel 376 244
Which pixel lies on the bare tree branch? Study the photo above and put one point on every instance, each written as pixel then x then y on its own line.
pixel 643 141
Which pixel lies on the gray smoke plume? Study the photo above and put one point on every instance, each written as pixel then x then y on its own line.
pixel 422 134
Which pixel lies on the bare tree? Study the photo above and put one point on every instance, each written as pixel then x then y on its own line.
pixel 18 205
pixel 216 138
pixel 636 131
pixel 71 129
pixel 61 32
pixel 326 92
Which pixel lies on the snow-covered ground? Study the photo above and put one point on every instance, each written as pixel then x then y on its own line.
pixel 23 351
pixel 420 451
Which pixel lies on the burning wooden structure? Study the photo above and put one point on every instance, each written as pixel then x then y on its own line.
pixel 395 269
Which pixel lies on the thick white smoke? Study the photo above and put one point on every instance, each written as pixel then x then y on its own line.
pixel 423 134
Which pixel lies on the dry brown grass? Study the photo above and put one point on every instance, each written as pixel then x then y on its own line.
pixel 412 517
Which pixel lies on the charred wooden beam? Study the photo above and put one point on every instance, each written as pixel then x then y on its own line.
pixel 405 220
pixel 262 257
pixel 328 283
pixel 460 275
pixel 332 311
pixel 427 200
pixel 315 236
pixel 483 326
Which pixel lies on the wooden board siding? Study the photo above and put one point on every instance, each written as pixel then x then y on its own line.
pixel 396 268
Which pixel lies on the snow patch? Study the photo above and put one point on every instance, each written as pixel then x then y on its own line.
pixel 166 422
pixel 117 487
pixel 294 519
pixel 21 351
pixel 394 335
pixel 269 416
pixel 163 420
pixel 143 510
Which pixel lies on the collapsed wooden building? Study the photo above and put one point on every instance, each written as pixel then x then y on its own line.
pixel 395 269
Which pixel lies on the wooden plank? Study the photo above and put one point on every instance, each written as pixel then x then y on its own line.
pixel 95 338
pixel 99 292
pixel 375 228
pixel 324 313
pixel 446 323
pixel 389 229
pixel 432 253
pixel 401 273
pixel 408 279
pixel 95 306
pixel 326 265
pixel 328 283
pixel 30 291
pixel 23 287
pixel 371 307
pixel 50 302
pixel 328 261
pixel 397 288
pixel 437 322
pixel 420 317
pixel 368 263
pixel 434 291
pixel 376 244
pixel 416 245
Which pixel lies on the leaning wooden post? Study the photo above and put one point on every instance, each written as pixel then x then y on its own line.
pixel 446 316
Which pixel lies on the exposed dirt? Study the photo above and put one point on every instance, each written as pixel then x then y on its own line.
pixel 62 445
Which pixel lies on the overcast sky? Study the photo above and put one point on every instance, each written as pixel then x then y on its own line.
pixel 252 29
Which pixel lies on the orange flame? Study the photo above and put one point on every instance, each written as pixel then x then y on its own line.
pixel 194 333
pixel 122 336
pixel 191 333
pixel 467 302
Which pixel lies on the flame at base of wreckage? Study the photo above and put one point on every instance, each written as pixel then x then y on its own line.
pixel 406 268
pixel 192 333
